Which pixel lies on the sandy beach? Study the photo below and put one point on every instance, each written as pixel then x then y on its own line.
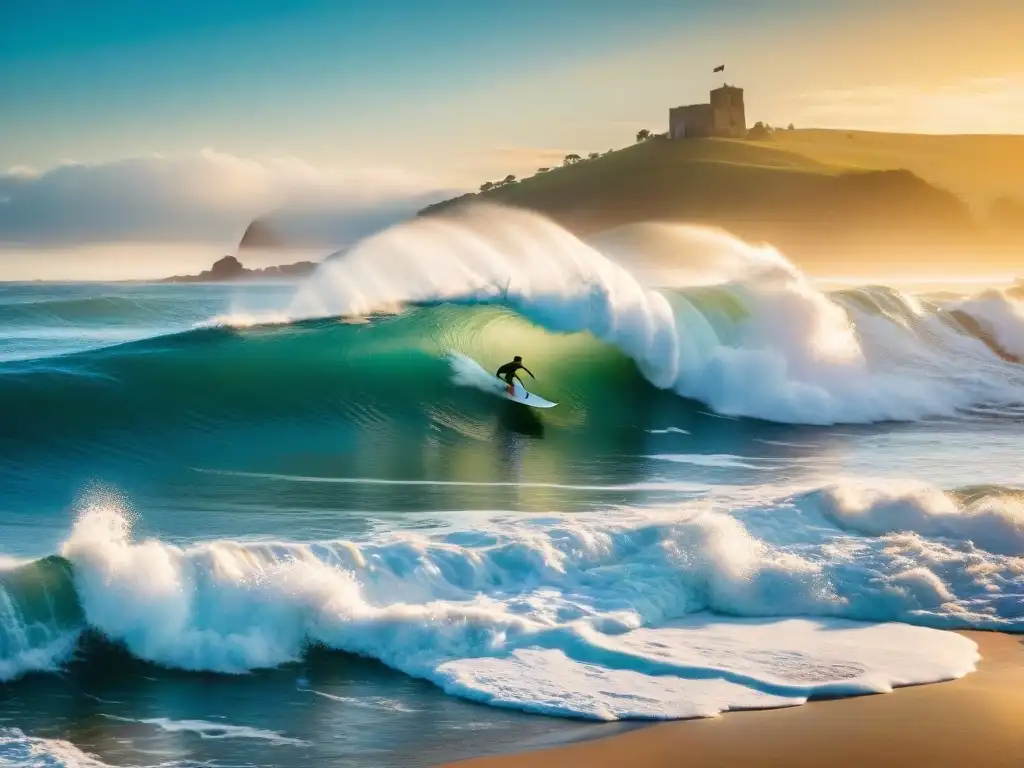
pixel 977 720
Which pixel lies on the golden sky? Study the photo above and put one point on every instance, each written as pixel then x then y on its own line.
pixel 479 90
pixel 401 95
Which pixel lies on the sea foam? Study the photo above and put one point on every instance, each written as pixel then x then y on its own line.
pixel 18 749
pixel 628 613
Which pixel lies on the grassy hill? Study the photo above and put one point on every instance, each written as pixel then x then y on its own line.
pixel 822 196
pixel 977 168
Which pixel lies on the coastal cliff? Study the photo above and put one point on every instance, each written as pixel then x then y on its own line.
pixel 230 268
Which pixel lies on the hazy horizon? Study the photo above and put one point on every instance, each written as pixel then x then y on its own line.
pixel 143 262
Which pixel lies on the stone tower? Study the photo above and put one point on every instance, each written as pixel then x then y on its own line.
pixel 729 117
pixel 724 116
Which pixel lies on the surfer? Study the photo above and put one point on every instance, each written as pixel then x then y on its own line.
pixel 508 372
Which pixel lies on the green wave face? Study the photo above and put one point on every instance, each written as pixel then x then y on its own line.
pixel 388 370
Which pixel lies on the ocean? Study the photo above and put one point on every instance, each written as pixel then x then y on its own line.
pixel 289 524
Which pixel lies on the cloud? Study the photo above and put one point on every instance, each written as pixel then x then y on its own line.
pixel 980 105
pixel 22 171
pixel 206 197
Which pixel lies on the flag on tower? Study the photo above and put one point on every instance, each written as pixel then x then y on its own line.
pixel 720 68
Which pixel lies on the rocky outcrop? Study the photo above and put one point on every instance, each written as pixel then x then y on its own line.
pixel 230 268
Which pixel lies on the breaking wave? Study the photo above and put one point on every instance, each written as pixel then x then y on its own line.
pixel 732 313
pixel 671 612
pixel 403 305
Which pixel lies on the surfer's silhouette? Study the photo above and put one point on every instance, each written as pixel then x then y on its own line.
pixel 509 372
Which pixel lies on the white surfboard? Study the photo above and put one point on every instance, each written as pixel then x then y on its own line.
pixel 522 396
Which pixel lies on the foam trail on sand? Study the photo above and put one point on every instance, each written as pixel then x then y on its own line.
pixel 816 360
pixel 698 668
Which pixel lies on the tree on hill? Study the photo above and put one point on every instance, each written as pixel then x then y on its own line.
pixel 571 159
pixel 593 156
pixel 643 135
pixel 510 179
pixel 760 131
pixel 487 186
pixel 543 170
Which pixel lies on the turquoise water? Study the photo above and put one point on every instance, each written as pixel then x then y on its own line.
pixel 242 527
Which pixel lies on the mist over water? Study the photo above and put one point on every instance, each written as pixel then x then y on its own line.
pixel 282 525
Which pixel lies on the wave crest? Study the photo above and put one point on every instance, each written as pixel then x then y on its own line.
pixel 815 360
pixel 994 522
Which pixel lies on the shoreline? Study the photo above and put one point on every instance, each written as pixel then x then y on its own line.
pixel 974 721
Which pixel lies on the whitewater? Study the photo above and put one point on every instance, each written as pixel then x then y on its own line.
pixel 818 360
pixel 290 524
pixel 571 615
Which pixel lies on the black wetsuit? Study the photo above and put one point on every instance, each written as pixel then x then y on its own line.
pixel 508 371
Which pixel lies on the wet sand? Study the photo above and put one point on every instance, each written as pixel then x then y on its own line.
pixel 977 720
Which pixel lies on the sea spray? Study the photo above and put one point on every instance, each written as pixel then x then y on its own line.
pixel 466 372
pixel 1000 315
